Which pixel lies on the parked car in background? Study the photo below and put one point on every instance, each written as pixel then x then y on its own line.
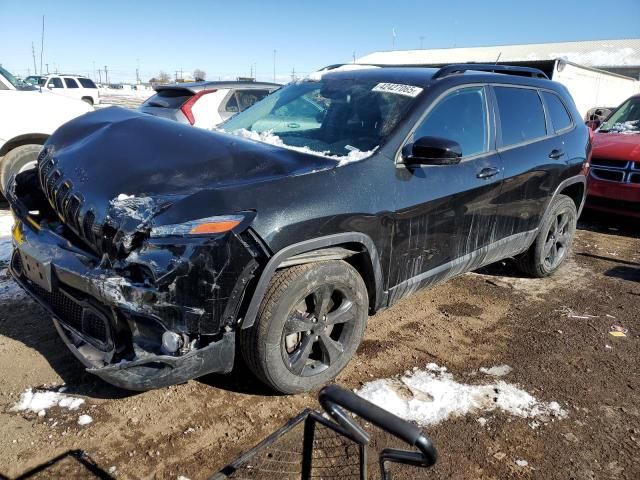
pixel 27 117
pixel 614 176
pixel 74 86
pixel 162 251
pixel 33 80
pixel 205 104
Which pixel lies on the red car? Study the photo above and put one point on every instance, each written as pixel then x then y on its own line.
pixel 614 178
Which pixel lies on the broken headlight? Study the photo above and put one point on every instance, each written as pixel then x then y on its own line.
pixel 203 226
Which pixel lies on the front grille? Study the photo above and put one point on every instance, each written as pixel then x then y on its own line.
pixel 615 170
pixel 70 310
pixel 67 203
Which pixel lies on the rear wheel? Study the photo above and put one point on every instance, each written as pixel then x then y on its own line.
pixel 552 245
pixel 16 161
pixel 308 327
pixel 89 100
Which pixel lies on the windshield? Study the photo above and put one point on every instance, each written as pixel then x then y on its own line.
pixel 336 118
pixel 18 84
pixel 625 119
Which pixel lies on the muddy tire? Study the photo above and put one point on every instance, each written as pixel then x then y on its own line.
pixel 17 160
pixel 308 326
pixel 553 243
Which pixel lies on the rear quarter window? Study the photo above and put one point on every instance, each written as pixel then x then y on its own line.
pixel 169 98
pixel 87 83
pixel 521 115
pixel 558 114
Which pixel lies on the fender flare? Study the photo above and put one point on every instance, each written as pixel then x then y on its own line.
pixel 568 182
pixel 307 246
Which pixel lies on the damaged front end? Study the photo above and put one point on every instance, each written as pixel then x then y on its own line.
pixel 140 306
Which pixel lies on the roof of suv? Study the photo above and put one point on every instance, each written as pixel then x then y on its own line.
pixel 197 86
pixel 422 76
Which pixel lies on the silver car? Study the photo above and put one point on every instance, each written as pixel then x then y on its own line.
pixel 205 104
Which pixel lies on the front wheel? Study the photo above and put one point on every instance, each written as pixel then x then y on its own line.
pixel 555 236
pixel 308 327
pixel 18 160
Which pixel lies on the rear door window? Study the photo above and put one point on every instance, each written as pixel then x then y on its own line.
pixel 521 115
pixel 462 117
pixel 558 114
pixel 246 98
pixel 70 82
pixel 87 83
pixel 55 82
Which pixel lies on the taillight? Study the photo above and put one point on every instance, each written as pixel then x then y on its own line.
pixel 188 105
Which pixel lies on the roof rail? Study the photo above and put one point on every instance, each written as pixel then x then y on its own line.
pixel 487 67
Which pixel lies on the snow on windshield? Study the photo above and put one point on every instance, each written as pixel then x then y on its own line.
pixel 632 126
pixel 268 137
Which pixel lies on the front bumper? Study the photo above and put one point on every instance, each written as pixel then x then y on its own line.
pixel 113 319
pixel 613 197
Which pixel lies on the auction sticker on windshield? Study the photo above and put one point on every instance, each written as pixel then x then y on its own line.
pixel 398 88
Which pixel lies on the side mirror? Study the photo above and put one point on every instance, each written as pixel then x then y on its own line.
pixel 432 151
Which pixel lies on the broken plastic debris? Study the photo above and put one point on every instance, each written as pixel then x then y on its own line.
pixel 618 331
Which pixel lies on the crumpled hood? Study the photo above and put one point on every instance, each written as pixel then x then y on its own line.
pixel 113 153
pixel 617 146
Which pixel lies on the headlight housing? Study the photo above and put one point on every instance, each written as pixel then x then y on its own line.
pixel 203 226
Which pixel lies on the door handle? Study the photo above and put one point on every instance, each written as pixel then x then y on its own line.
pixel 488 172
pixel 556 154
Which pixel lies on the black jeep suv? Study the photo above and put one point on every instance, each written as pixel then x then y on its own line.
pixel 161 249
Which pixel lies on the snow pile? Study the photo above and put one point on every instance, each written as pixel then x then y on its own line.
pixel 268 137
pixel 84 420
pixel 497 371
pixel 431 396
pixel 6 222
pixel 41 401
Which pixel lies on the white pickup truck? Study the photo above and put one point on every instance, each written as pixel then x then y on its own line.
pixel 28 115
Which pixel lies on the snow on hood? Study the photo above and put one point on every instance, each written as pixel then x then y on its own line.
pixel 271 139
pixel 431 396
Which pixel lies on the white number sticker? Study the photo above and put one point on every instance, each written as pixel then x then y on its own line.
pixel 406 90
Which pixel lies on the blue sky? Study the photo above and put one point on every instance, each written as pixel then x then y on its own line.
pixel 225 38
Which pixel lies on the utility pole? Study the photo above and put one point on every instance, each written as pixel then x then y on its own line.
pixel 94 70
pixel 293 74
pixel 274 65
pixel 47 68
pixel 354 56
pixel 33 53
pixel 42 47
pixel 99 76
pixel 106 75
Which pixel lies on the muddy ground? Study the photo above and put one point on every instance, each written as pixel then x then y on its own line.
pixel 553 332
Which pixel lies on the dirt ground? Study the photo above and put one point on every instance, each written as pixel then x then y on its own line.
pixel 553 332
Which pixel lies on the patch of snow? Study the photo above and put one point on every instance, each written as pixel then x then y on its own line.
pixel 482 421
pixel 9 290
pixel 271 139
pixel 343 68
pixel 84 420
pixel 521 463
pixel 431 396
pixel 497 371
pixel 6 223
pixel 124 196
pixel 39 401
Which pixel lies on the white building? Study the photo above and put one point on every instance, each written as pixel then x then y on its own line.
pixel 616 56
